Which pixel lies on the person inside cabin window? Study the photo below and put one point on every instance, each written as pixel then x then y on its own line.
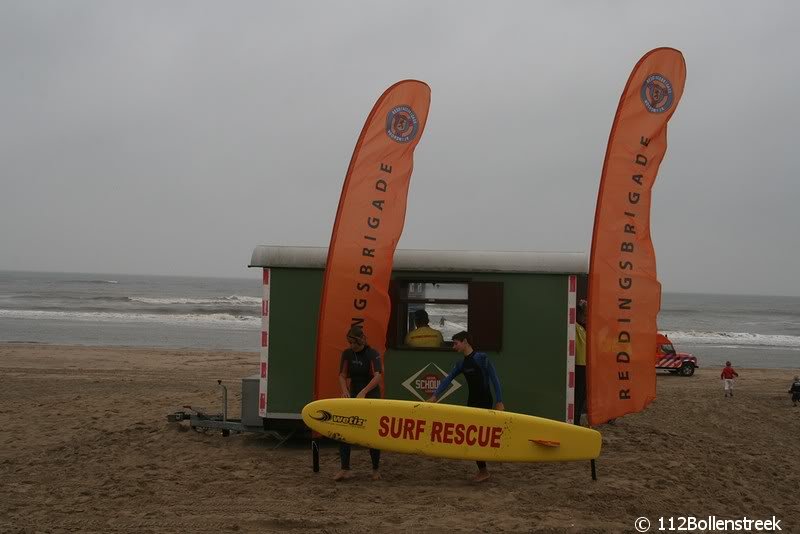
pixel 361 365
pixel 479 373
pixel 423 336
pixel 580 361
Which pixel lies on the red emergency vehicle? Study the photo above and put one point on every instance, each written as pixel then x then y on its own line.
pixel 668 359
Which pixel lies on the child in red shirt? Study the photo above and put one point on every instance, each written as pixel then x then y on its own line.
pixel 727 377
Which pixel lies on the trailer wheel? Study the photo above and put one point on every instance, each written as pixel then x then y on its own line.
pixel 687 369
pixel 225 432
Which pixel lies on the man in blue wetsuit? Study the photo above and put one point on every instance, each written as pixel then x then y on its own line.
pixel 479 372
pixel 361 364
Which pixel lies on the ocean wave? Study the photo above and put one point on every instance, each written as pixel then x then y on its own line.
pixel 64 296
pixel 737 339
pixel 90 281
pixel 732 312
pixel 232 299
pixel 245 311
pixel 238 322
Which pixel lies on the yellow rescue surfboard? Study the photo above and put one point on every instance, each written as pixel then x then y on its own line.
pixel 449 431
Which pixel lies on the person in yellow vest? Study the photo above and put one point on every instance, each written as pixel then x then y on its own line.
pixel 580 361
pixel 423 336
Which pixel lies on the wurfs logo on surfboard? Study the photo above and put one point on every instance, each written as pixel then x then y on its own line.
pixel 328 417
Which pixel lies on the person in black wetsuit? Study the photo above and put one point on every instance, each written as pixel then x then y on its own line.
pixel 479 373
pixel 361 364
pixel 794 390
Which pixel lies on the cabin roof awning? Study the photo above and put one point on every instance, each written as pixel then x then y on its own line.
pixel 434 260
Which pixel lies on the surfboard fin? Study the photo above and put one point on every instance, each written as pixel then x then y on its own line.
pixel 546 442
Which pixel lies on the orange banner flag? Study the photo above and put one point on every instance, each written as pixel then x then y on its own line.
pixel 624 292
pixel 369 222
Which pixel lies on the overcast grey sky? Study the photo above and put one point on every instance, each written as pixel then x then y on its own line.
pixel 173 137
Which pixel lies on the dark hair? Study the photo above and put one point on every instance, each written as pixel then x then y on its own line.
pixel 355 332
pixel 421 318
pixel 580 312
pixel 463 336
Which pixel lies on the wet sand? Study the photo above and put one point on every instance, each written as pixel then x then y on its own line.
pixel 85 446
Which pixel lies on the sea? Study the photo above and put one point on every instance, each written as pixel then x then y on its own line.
pixel 224 313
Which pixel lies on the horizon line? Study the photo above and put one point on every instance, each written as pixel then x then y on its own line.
pixel 257 270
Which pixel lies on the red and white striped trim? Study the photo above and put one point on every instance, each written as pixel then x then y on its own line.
pixel 264 359
pixel 670 362
pixel 571 313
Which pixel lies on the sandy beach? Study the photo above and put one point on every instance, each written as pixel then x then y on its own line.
pixel 85 446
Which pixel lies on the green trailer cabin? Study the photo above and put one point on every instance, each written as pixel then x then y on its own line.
pixel 519 307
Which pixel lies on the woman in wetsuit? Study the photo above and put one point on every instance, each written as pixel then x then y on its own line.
pixel 361 364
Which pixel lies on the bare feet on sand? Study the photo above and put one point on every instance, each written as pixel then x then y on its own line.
pixel 376 475
pixel 482 476
pixel 344 474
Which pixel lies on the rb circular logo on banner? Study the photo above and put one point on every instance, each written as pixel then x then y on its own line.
pixel 657 93
pixel 402 124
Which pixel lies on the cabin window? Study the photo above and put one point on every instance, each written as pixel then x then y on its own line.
pixel 451 306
